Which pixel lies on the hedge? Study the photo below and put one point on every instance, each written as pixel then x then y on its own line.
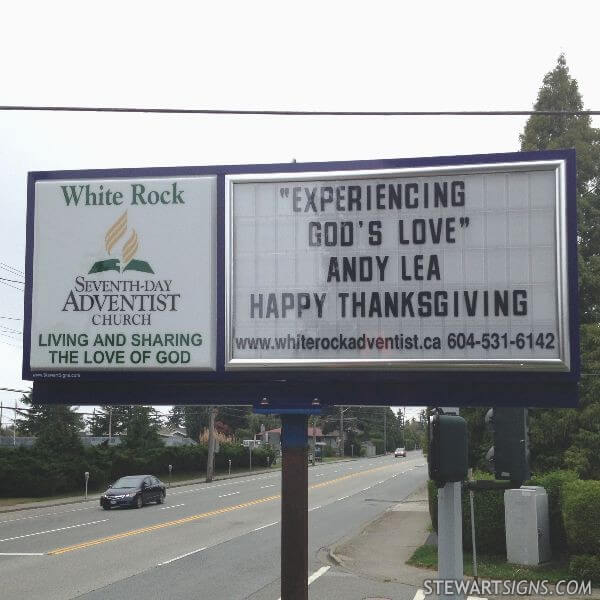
pixel 580 502
pixel 28 472
pixel 489 517
pixel 585 567
pixel 553 482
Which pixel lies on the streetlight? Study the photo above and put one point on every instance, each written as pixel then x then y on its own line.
pixel 87 477
pixel 170 471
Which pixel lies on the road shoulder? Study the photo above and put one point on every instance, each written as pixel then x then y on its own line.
pixel 382 547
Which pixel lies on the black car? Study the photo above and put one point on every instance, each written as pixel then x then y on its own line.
pixel 134 490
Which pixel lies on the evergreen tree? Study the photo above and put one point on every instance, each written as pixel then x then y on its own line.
pixel 114 416
pixel 57 427
pixel 196 420
pixel 571 437
pixel 176 417
pixel 142 428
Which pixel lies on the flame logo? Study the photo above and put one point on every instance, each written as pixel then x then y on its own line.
pixel 115 232
pixel 130 247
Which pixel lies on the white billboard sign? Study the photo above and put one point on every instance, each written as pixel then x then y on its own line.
pixel 124 274
pixel 438 267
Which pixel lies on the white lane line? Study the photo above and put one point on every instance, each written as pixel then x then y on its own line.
pixel 314 508
pixel 167 562
pixel 230 494
pixel 320 475
pixel 262 487
pixel 172 506
pixel 21 554
pixel 265 526
pixel 317 574
pixel 420 595
pixel 342 498
pixel 62 512
pixel 19 537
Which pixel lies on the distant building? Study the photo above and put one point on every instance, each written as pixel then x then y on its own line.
pixel 175 436
pixel 315 434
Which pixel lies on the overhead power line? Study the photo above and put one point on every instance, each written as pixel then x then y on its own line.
pixel 11 318
pixel 11 280
pixel 11 269
pixel 10 285
pixel 304 113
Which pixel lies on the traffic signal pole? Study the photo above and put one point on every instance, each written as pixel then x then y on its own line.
pixel 450 556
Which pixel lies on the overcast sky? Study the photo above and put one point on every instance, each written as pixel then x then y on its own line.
pixel 264 55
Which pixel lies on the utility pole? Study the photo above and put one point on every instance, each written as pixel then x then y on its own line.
pixel 1 418
pixel 314 450
pixel 109 424
pixel 15 426
pixel 341 431
pixel 210 463
pixel 385 430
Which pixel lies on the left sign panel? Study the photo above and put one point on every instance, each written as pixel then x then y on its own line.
pixel 124 274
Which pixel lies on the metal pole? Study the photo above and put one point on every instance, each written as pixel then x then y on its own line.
pixel 86 476
pixel 0 418
pixel 250 448
pixel 471 501
pixel 294 508
pixel 450 556
pixel 15 426
pixel 385 430
pixel 109 425
pixel 230 466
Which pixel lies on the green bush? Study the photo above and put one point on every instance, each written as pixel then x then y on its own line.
pixel 553 482
pixel 489 517
pixel 585 567
pixel 580 502
pixel 29 472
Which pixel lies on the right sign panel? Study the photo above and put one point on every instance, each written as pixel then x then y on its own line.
pixel 432 268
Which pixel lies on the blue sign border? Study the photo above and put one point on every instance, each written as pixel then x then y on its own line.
pixel 298 388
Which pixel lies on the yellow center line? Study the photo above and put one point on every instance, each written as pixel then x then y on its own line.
pixel 206 515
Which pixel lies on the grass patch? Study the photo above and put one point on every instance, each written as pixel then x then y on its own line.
pixel 493 567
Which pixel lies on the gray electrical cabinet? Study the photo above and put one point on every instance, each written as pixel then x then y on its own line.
pixel 527 525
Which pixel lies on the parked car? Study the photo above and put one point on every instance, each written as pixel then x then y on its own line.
pixel 399 452
pixel 134 490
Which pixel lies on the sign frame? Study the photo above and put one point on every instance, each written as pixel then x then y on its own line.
pixel 435 364
pixel 288 387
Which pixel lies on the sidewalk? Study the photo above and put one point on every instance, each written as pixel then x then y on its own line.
pixel 96 497
pixel 381 549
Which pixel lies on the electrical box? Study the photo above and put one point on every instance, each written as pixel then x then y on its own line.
pixel 527 525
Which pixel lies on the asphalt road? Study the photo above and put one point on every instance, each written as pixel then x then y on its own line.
pixel 216 541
